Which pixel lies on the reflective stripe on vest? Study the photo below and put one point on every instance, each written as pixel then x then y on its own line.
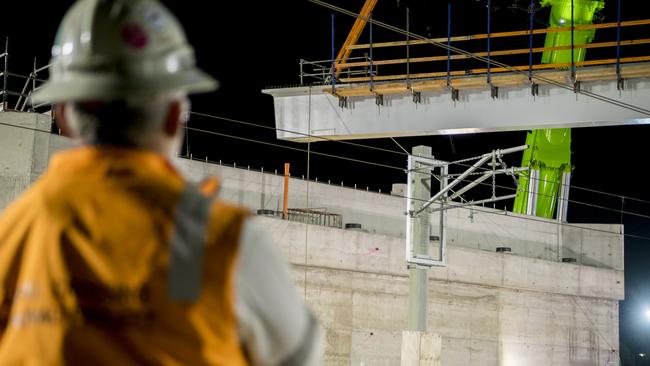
pixel 187 245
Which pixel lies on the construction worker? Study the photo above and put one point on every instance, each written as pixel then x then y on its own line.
pixel 112 257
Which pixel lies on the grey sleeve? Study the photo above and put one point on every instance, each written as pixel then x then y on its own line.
pixel 275 326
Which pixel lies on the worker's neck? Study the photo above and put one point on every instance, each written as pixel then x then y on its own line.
pixel 167 148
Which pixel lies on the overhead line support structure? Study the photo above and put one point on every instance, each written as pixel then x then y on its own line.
pixel 483 159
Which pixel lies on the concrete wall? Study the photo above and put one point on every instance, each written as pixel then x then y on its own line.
pixel 521 309
pixel 24 144
pixel 489 308
pixel 471 227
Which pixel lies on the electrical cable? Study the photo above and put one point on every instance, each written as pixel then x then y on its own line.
pixel 394 168
pixel 367 162
pixel 296 149
pixel 456 162
pixel 535 219
pixel 397 168
pixel 310 136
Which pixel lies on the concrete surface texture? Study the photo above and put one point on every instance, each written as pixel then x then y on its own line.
pixel 313 111
pixel 24 144
pixel 524 308
pixel 472 227
pixel 489 308
pixel 420 349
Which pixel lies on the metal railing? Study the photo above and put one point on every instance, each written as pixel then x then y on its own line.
pixel 367 70
pixel 312 216
pixel 320 72
pixel 12 99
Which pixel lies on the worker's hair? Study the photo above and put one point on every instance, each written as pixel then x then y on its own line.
pixel 130 122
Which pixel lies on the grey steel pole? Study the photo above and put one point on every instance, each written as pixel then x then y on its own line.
pixel 418 290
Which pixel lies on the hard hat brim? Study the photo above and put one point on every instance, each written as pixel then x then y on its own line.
pixel 104 87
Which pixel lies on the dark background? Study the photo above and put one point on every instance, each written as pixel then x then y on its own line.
pixel 249 46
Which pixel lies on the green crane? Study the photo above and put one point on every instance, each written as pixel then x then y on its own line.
pixel 549 154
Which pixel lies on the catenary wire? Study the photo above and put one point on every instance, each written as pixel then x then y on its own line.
pixel 362 161
pixel 400 169
pixel 476 208
pixel 456 162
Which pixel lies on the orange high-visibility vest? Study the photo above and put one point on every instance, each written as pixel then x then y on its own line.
pixel 87 268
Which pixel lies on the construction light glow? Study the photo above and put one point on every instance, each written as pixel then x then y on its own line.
pixel 647 313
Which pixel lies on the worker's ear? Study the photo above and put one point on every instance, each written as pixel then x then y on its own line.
pixel 61 118
pixel 175 117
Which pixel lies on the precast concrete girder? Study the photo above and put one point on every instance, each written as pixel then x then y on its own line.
pixel 436 114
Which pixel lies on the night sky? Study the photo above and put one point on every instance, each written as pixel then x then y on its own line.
pixel 249 46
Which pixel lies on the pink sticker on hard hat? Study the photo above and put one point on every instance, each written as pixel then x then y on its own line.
pixel 134 35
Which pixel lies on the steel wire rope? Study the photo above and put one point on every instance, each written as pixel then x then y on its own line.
pixel 622 212
pixel 371 163
pixel 535 219
pixel 295 148
pixel 307 183
pixel 325 154
pixel 483 59
pixel 402 169
pixel 475 208
pixel 398 168
pixel 455 162
pixel 471 55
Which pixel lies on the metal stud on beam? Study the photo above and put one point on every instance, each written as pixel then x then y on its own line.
pixel 417 97
pixel 343 102
pixel 455 95
pixel 577 87
pixel 379 99
pixel 494 92
pixel 534 89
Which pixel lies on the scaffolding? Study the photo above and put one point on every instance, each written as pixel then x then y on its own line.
pixel 312 216
pixel 13 100
pixel 360 76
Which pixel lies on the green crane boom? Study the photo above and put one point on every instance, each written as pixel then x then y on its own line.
pixel 549 154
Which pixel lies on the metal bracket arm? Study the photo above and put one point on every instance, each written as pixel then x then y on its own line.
pixel 469 171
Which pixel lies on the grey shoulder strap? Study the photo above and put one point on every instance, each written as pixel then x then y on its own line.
pixel 187 245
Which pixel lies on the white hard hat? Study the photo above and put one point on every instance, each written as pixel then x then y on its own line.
pixel 110 49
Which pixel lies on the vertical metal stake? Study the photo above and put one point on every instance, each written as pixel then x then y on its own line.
pixel 530 52
pixel 333 60
pixel 372 67
pixel 489 38
pixel 408 49
pixel 449 44
pixel 5 75
pixel 34 75
pixel 620 84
